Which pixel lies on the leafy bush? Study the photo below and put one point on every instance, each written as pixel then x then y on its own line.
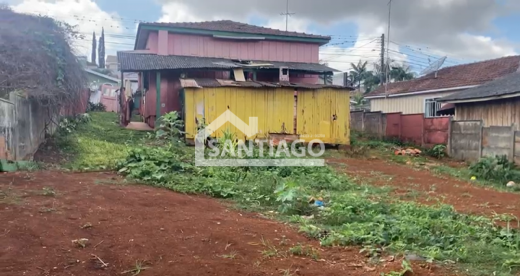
pixel 438 151
pixel 498 169
pixel 96 107
pixel 69 124
pixel 171 127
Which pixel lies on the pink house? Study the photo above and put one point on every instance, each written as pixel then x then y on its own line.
pixel 166 52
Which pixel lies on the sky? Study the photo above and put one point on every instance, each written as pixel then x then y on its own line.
pixel 421 31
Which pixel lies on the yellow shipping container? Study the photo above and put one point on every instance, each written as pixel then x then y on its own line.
pixel 322 113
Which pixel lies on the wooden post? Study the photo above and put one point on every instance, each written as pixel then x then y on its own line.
pixel 157 97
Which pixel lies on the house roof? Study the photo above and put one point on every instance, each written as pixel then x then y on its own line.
pixel 225 29
pixel 205 82
pixel 453 77
pixel 111 59
pixel 233 26
pixel 129 61
pixel 499 88
pixel 101 75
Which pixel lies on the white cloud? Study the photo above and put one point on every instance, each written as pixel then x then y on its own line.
pixel 294 24
pixel 85 14
pixel 177 12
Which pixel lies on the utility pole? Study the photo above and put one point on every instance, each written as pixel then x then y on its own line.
pixel 381 75
pixel 387 66
pixel 287 14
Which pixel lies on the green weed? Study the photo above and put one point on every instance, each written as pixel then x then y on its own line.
pixel 304 251
pixel 137 269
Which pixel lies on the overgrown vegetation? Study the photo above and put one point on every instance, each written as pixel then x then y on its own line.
pixel 353 214
pixel 95 107
pixel 438 151
pixel 498 169
pixel 36 58
pixel 98 144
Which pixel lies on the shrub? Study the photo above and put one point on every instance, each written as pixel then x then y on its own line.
pixel 96 107
pixel 438 151
pixel 498 168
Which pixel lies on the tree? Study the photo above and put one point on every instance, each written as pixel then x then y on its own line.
pixel 401 73
pixel 101 49
pixel 371 81
pixel 93 55
pixel 358 72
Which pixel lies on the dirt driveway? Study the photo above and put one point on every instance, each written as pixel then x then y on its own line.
pixel 164 232
pixel 424 186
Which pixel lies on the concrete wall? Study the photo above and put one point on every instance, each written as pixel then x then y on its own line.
pixel 465 140
pixel 23 128
pixel 24 124
pixel 498 141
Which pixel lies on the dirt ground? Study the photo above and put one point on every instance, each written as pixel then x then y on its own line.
pixel 426 187
pixel 168 233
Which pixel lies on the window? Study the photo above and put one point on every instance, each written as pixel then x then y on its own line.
pixel 431 106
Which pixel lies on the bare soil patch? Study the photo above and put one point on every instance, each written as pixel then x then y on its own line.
pixel 465 196
pixel 165 233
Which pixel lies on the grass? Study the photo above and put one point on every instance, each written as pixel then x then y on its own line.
pixel 354 214
pixel 98 144
pixel 137 269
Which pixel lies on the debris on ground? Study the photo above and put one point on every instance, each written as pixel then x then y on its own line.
pixel 408 151
pixel 511 184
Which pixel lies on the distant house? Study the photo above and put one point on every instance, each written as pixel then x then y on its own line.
pixel 422 95
pixel 111 63
pixel 97 81
pixel 496 103
pixel 166 53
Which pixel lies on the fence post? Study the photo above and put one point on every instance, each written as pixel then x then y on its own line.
pixel 480 139
pixel 448 142
pixel 400 137
pixel 422 130
pixel 512 148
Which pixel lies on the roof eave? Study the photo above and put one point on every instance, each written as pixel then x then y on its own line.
pixel 484 99
pixel 318 40
pixel 422 92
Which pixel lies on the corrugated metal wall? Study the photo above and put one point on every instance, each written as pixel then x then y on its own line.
pixel 324 114
pixel 321 114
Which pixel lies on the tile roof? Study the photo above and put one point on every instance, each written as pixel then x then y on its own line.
pixel 204 82
pixel 232 26
pixel 503 86
pixel 455 76
pixel 141 62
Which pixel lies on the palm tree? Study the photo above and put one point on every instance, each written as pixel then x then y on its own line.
pixel 372 80
pixel 401 73
pixel 358 72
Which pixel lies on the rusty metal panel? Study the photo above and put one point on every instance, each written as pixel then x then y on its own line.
pixel 271 106
pixel 324 114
